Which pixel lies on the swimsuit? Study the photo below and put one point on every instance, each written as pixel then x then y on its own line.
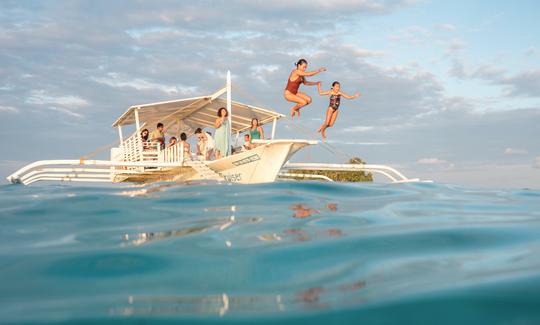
pixel 293 86
pixel 335 101
pixel 255 134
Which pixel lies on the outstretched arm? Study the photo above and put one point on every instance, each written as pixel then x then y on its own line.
pixel 310 73
pixel 322 93
pixel 349 96
pixel 310 83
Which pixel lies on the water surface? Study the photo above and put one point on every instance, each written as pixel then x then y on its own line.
pixel 286 252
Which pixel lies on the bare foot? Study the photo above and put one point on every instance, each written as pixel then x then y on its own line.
pixel 323 133
pixel 293 112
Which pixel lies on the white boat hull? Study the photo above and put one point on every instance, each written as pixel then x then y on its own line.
pixel 259 165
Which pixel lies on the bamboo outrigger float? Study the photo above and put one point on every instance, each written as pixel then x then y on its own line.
pixel 135 161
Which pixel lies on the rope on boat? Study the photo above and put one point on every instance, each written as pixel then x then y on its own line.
pixel 329 147
pixel 309 133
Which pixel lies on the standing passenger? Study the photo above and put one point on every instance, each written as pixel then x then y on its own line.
pixel 256 132
pixel 222 146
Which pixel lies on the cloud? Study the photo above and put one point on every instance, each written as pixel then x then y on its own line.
pixel 358 129
pixel 411 34
pixel 525 83
pixel 9 109
pixel 536 162
pixel 522 84
pixel 65 104
pixel 116 80
pixel 261 72
pixel 532 51
pixel 360 143
pixel 515 151
pixel 446 27
pixel 40 97
pixel 431 161
pixel 454 45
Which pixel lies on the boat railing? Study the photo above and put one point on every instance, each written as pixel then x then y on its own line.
pixel 134 149
pixel 174 153
pixel 82 170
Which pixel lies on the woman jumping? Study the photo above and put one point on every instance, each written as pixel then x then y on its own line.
pixel 332 111
pixel 297 77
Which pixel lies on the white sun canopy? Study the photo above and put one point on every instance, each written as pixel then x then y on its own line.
pixel 184 115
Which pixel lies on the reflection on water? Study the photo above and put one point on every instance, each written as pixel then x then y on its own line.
pixel 147 237
pixel 220 304
pixel 284 252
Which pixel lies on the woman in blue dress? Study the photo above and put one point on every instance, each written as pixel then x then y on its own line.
pixel 222 146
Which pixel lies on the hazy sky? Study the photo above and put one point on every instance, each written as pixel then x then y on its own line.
pixel 451 89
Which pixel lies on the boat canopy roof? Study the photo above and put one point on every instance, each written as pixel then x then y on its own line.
pixel 186 114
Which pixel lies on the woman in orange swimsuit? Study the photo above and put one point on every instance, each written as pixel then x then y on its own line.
pixel 297 77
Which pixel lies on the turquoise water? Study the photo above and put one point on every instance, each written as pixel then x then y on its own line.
pixel 288 252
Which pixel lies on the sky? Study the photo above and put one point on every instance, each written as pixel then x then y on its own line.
pixel 450 89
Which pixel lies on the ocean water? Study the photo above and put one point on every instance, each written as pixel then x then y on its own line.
pixel 281 253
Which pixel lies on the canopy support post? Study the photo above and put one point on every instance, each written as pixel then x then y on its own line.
pixel 120 135
pixel 229 101
pixel 274 128
pixel 137 122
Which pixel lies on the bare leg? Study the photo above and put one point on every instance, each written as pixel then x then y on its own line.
pixel 306 98
pixel 333 118
pixel 300 102
pixel 323 127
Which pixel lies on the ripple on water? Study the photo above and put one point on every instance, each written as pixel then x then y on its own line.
pixel 284 252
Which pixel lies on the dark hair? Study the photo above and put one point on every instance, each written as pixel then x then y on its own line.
pixel 335 83
pixel 172 138
pixel 256 119
pixel 219 112
pixel 183 136
pixel 247 135
pixel 199 130
pixel 159 124
pixel 144 137
pixel 301 61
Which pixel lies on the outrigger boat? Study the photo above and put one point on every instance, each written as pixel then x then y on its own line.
pixel 143 162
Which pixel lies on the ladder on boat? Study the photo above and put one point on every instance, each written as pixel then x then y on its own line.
pixel 203 170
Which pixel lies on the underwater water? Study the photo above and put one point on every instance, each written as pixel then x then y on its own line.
pixel 287 252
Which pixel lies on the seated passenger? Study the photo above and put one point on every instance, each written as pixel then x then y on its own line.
pixel 144 138
pixel 247 143
pixel 183 138
pixel 172 142
pixel 205 144
pixel 158 136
